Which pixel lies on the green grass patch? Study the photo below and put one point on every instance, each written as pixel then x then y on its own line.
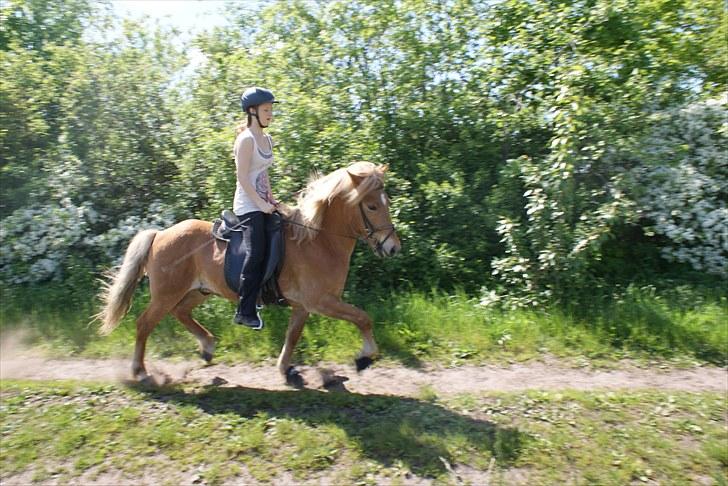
pixel 410 328
pixel 71 431
pixel 613 437
pixel 76 427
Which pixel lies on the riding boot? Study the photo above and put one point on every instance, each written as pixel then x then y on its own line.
pixel 253 321
pixel 254 244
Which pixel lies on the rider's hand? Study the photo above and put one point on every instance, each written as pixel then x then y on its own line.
pixel 267 207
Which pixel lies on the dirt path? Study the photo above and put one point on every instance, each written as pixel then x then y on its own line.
pixel 381 378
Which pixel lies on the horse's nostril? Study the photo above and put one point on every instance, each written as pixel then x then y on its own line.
pixel 392 251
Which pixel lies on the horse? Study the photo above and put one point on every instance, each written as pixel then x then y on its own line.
pixel 185 263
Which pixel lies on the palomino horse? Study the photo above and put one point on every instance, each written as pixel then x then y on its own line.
pixel 184 264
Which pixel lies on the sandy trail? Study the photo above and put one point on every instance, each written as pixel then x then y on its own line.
pixel 379 379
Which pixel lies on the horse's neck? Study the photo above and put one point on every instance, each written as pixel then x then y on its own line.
pixel 338 222
pixel 335 236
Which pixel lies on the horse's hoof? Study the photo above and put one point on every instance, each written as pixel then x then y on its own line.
pixel 363 363
pixel 294 378
pixel 146 380
pixel 218 381
pixel 139 374
pixel 336 383
pixel 207 356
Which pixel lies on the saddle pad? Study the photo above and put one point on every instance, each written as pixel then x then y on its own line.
pixel 235 255
pixel 234 258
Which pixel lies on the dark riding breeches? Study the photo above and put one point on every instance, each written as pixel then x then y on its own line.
pixel 255 244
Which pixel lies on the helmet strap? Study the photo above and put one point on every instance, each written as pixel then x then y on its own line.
pixel 256 117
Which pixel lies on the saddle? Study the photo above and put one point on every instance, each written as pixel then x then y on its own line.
pixel 229 229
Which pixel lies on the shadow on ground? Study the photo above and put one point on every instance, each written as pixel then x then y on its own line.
pixel 422 435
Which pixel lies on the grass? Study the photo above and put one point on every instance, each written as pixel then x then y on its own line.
pixel 411 329
pixel 71 432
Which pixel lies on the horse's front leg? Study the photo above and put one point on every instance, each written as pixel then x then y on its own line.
pixel 293 334
pixel 332 306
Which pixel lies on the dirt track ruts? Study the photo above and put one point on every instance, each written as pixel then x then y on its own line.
pixel 385 379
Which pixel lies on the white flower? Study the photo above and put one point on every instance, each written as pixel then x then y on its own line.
pixel 684 182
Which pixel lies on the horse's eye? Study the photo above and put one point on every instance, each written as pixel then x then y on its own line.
pixel 372 207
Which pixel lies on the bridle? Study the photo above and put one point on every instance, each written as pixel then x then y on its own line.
pixel 371 230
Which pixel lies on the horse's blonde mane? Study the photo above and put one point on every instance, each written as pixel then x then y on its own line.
pixel 321 190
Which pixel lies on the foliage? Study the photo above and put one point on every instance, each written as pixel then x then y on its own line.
pixel 34 35
pixel 88 156
pixel 55 233
pixel 589 86
pixel 516 132
pixel 677 323
pixel 683 184
pixel 44 243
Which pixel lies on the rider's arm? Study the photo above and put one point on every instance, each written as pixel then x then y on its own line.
pixel 271 197
pixel 243 157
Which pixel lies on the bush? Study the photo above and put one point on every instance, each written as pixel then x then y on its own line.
pixel 682 184
pixel 55 241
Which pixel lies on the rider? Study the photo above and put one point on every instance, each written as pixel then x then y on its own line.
pixel 254 202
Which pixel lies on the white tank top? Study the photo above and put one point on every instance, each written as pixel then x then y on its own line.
pixel 257 175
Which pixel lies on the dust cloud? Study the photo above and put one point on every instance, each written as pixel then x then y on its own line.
pixel 21 361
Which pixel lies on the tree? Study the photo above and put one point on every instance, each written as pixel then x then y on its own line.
pixel 92 146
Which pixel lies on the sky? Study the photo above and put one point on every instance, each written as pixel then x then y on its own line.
pixel 189 16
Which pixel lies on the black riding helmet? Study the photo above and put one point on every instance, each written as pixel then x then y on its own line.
pixel 253 97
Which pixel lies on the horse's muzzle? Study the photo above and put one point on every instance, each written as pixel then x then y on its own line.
pixel 390 246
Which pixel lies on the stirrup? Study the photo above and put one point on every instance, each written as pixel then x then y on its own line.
pixel 231 220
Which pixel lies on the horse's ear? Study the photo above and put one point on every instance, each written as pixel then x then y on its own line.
pixel 359 171
pixel 383 168
pixel 356 178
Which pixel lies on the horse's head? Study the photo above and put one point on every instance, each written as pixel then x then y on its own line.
pixel 375 222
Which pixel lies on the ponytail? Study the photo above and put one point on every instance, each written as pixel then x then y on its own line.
pixel 243 125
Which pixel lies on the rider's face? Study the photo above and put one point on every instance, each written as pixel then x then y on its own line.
pixel 265 113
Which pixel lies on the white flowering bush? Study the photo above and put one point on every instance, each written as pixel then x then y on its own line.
pixel 36 242
pixel 682 184
pixel 671 178
pixel 113 242
pixel 39 243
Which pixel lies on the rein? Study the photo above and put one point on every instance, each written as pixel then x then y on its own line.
pixel 370 229
pixel 295 223
pixel 368 226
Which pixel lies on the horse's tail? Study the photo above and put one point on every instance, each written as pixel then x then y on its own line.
pixel 119 287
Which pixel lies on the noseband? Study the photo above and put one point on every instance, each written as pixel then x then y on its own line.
pixel 371 230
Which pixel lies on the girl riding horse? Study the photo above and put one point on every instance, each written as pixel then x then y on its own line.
pixel 185 265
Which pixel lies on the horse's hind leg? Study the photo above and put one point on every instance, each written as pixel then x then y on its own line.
pixel 160 305
pixel 183 313
pixel 145 324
